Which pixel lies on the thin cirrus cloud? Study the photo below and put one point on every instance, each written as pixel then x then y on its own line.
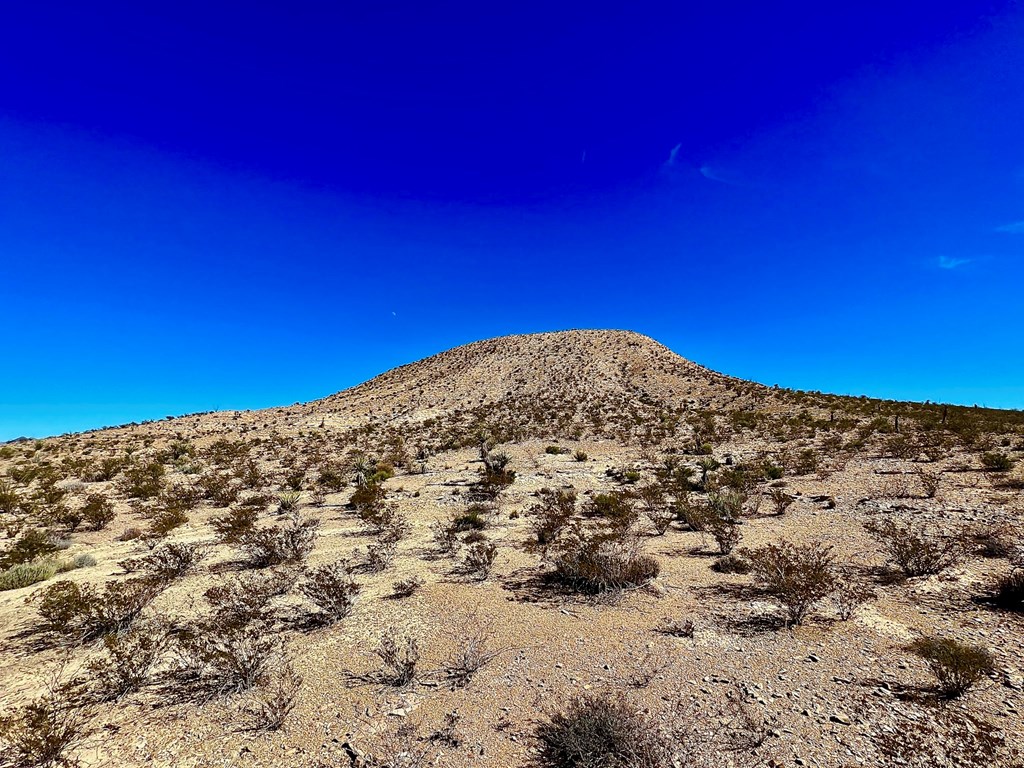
pixel 952 262
pixel 1013 228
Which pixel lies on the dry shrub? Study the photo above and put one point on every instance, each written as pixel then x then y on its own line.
pixel 244 599
pixel 269 706
pixel 33 544
pixel 399 654
pixel 601 731
pixel 445 537
pixel 598 562
pixel 780 500
pixel 167 562
pixel 332 589
pixel 81 612
pixel 1007 592
pixel 129 659
pixel 798 576
pixel 407 587
pixel 480 559
pixel 472 651
pixel 277 545
pixel 236 523
pixel 231 659
pixel 929 483
pixel 957 666
pixel 849 595
pixel 43 732
pixel 380 556
pixel 914 549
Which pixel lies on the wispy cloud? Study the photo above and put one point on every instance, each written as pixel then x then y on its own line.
pixel 673 155
pixel 1014 228
pixel 717 174
pixel 952 262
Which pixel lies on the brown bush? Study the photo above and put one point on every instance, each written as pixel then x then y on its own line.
pixel 601 730
pixel 33 544
pixel 598 562
pixel 81 612
pixel 129 660
pixel 399 653
pixel 957 666
pixel 44 731
pixel 270 704
pixel 553 510
pixel 166 562
pixel 244 599
pixel 277 545
pixel 798 576
pixel 231 659
pixel 480 559
pixel 235 523
pixel 332 589
pixel 914 549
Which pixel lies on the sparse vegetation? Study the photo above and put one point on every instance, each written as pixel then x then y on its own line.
pixel 798 576
pixel 957 666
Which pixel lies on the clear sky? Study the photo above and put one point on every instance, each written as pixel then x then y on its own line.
pixel 217 205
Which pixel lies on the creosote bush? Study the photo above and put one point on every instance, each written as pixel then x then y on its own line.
pixel 97 512
pixel 480 559
pixel 244 599
pixel 40 734
pixel 83 612
pixel 957 666
pixel 332 589
pixel 600 731
pixel 798 576
pixel 277 545
pixel 914 549
pixel 594 562
pixel 166 562
pixel 129 660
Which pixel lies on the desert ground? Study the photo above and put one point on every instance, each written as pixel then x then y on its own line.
pixel 509 553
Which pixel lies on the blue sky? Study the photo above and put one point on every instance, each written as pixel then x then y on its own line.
pixel 242 206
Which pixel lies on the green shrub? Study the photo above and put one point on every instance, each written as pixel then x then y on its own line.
pixel 142 481
pixel 33 544
pixel 957 666
pixel 277 545
pixel 997 461
pixel 82 612
pixel 27 574
pixel 98 511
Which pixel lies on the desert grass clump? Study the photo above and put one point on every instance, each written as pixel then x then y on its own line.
pixel 600 731
pixel 471 651
pixel 399 653
pixel 914 549
pixel 27 574
pixel 798 576
pixel 957 666
pixel 278 545
pixel 332 589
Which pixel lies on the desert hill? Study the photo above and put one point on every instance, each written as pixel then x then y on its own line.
pixel 468 559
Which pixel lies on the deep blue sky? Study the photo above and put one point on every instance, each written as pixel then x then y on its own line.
pixel 208 206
